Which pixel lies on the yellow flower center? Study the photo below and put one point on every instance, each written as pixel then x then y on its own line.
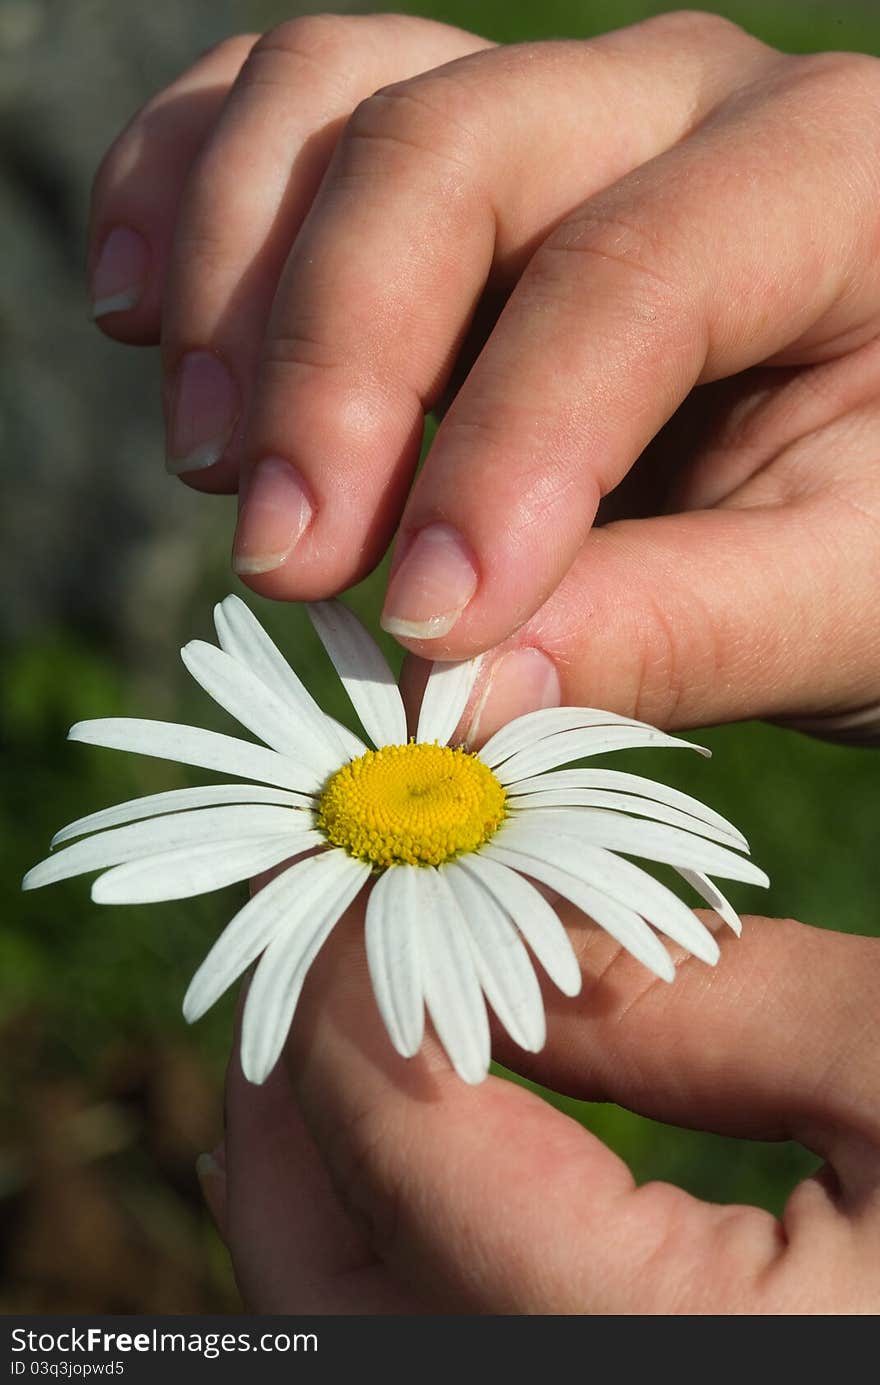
pixel 417 804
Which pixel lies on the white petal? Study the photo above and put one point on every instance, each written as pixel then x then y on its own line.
pixel 536 920
pixel 179 800
pixel 242 636
pixel 624 882
pixel 575 745
pixel 190 745
pixel 193 870
pixel 153 835
pixel 288 901
pixel 449 977
pixel 393 954
pixel 503 965
pixel 363 670
pixel 652 840
pixel 275 989
pixel 250 701
pixel 629 783
pixel 622 923
pixel 446 695
pixel 352 745
pixel 532 727
pixel 709 891
pixel 621 803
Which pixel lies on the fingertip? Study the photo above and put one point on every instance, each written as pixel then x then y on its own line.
pixel 114 303
pixel 119 278
pixel 274 514
pixel 203 415
pixel 519 681
pixel 431 585
pixel 219 478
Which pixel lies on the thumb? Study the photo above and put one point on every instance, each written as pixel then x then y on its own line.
pixel 694 619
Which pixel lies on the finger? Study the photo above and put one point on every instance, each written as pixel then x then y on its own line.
pixel 247 197
pixel 137 190
pixel 712 616
pixel 293 1247
pixel 651 287
pixel 763 1045
pixel 486 1199
pixel 475 158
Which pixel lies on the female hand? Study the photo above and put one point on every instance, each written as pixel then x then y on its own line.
pixel 355 1182
pixel 666 207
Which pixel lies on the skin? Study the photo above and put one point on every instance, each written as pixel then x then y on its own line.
pixel 357 1182
pixel 639 279
pixel 668 206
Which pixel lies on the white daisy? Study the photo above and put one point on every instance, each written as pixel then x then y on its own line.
pixel 448 843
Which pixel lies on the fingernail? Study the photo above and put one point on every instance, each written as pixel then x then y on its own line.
pixel 209 1166
pixel 120 272
pixel 432 586
pixel 204 413
pixel 211 1173
pixel 524 680
pixel 275 513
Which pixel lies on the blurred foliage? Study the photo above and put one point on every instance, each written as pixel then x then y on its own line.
pixel 805 26
pixel 91 1035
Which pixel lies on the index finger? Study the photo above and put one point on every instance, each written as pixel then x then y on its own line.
pixel 722 252
pixel 439 186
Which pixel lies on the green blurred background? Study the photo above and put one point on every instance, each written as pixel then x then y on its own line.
pixel 106 1097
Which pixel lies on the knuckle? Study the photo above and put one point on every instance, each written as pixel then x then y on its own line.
pixel 366 1173
pixel 317 44
pixel 834 91
pixel 152 123
pixel 653 287
pixel 417 118
pixel 699 26
pixel 350 405
pixel 622 240
pixel 660 681
pixel 620 983
pixel 535 480
pixel 201 247
pixel 680 654
pixel 232 49
pixel 851 72
pixel 860 73
pixel 669 1264
pixel 318 38
pixel 297 348
pixel 657 1270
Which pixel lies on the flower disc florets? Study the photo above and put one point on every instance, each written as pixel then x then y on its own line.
pixel 415 804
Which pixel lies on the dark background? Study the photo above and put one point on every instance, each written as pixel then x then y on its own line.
pixel 106 1098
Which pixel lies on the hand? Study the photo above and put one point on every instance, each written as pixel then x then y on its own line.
pixel 668 206
pixel 442 1197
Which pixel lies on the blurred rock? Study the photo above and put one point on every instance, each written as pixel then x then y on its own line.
pixel 92 531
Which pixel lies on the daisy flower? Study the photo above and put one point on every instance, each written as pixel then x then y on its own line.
pixel 448 843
